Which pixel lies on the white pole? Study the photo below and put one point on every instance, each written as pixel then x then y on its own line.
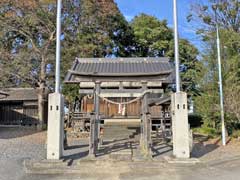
pixel 175 14
pixel 58 47
pixel 220 87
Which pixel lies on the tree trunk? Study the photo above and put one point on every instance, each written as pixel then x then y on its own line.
pixel 42 94
pixel 41 106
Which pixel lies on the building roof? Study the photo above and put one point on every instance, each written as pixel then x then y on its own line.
pixel 92 69
pixel 19 94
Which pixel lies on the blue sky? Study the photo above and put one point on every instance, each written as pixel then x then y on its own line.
pixel 162 9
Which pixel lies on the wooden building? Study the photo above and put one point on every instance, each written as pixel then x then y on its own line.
pixel 19 106
pixel 109 110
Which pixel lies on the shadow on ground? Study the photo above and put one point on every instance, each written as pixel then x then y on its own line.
pixel 201 148
pixel 120 141
pixel 17 131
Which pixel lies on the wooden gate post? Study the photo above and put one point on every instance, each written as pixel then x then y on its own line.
pixel 93 140
pixel 97 110
pixel 163 122
pixel 145 142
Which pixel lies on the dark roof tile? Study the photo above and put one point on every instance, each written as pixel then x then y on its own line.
pixel 118 67
pixel 19 94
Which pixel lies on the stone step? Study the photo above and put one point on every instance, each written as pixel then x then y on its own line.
pixel 47 164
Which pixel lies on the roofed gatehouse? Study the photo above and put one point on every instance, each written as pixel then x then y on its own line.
pixel 121 89
pixel 121 81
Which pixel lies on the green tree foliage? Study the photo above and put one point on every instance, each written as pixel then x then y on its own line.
pixel 190 66
pixel 96 28
pixel 227 15
pixel 152 36
pixel 27 35
pixel 155 39
pixel 90 28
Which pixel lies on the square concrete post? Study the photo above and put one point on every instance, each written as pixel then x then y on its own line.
pixel 180 128
pixel 55 126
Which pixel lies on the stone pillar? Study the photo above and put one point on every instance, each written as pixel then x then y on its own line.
pixel 55 126
pixel 180 128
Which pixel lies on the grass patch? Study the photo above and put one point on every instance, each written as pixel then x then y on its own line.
pixel 210 132
pixel 236 133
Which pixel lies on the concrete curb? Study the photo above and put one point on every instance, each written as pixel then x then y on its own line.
pixel 173 160
pixel 99 167
pixel 87 166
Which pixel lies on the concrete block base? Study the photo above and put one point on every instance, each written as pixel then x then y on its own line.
pixel 173 160
pixel 180 126
pixel 46 166
pixel 55 127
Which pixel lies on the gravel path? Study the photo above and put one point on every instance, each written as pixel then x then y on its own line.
pixel 22 142
pixel 18 143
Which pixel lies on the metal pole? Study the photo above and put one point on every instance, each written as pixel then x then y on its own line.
pixel 58 47
pixel 176 45
pixel 220 87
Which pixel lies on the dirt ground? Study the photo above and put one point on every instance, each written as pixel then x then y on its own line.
pixel 211 149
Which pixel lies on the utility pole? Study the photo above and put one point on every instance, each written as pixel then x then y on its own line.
pixel 220 79
pixel 175 15
pixel 58 47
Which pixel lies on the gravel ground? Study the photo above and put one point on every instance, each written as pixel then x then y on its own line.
pixel 22 142
pixel 18 143
pixel 26 142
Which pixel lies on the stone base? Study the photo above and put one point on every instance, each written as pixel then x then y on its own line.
pixel 46 166
pixel 122 155
pixel 99 168
pixel 174 160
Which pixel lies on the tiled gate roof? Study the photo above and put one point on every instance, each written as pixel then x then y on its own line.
pixel 119 67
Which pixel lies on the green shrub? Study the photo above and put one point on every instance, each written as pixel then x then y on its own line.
pixel 236 133
pixel 211 132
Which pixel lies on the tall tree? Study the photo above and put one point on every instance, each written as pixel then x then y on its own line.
pixel 100 30
pixel 152 36
pixel 90 28
pixel 227 14
pixel 27 35
pixel 155 39
pixel 96 28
